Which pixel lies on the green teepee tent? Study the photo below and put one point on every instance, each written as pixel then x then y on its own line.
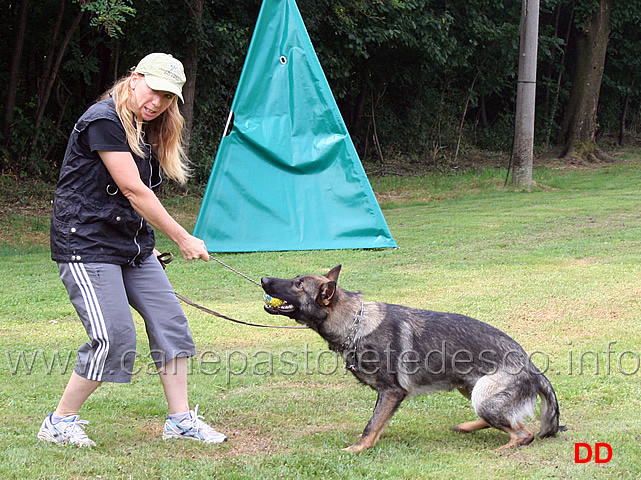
pixel 286 175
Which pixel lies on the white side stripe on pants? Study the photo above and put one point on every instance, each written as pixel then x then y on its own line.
pixel 99 330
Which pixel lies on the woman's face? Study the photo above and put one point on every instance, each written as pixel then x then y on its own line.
pixel 148 104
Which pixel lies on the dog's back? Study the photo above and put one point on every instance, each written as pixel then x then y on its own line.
pixel 426 350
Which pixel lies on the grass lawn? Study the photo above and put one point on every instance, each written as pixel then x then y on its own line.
pixel 557 268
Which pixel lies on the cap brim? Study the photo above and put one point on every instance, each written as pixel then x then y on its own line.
pixel 156 83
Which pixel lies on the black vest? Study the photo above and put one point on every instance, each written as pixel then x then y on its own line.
pixel 92 221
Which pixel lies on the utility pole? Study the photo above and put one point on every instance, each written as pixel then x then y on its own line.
pixel 526 95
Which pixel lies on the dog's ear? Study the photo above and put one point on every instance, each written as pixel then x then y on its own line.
pixel 326 294
pixel 333 273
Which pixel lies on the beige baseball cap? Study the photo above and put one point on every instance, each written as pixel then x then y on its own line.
pixel 163 72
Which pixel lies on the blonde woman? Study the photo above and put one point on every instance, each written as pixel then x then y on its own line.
pixel 102 239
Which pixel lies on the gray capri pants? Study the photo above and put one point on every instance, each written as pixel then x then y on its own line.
pixel 102 294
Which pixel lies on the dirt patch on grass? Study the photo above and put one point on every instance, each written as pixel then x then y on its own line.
pixel 569 321
pixel 25 226
pixel 245 440
pixel 25 207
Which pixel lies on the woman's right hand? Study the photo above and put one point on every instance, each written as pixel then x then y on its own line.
pixel 193 248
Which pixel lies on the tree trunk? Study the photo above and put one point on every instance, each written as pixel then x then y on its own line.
pixel 47 85
pixel 48 67
pixel 191 69
pixel 14 70
pixel 624 114
pixel 551 103
pixel 526 95
pixel 483 110
pixel 578 134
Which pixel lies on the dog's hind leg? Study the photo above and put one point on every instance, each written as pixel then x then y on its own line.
pixel 504 401
pixel 386 404
pixel 469 427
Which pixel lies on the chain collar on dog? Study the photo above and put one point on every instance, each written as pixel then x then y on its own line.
pixel 350 345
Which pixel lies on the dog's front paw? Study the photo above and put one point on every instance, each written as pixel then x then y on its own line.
pixel 363 443
pixel 356 448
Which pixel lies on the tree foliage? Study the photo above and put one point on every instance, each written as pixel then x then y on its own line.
pixel 427 81
pixel 108 14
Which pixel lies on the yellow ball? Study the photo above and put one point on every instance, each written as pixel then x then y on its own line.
pixel 272 301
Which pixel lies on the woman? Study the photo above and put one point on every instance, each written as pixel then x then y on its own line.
pixel 101 237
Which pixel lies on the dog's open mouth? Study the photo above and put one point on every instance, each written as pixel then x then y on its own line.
pixel 276 305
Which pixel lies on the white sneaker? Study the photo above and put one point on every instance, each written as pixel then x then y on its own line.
pixel 192 428
pixel 69 430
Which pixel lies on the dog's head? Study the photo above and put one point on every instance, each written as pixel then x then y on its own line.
pixel 306 298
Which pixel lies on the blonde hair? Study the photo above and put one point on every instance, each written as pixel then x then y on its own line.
pixel 164 134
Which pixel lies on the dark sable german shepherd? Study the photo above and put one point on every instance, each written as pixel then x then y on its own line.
pixel 401 351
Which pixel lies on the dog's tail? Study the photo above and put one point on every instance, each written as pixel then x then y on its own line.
pixel 549 409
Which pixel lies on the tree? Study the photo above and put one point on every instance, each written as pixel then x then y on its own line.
pixel 190 62
pixel 12 87
pixel 52 65
pixel 107 14
pixel 620 94
pixel 578 132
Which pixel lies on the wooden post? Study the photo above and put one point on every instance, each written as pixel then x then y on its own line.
pixel 526 95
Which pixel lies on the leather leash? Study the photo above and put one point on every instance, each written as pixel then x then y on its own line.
pixel 167 257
